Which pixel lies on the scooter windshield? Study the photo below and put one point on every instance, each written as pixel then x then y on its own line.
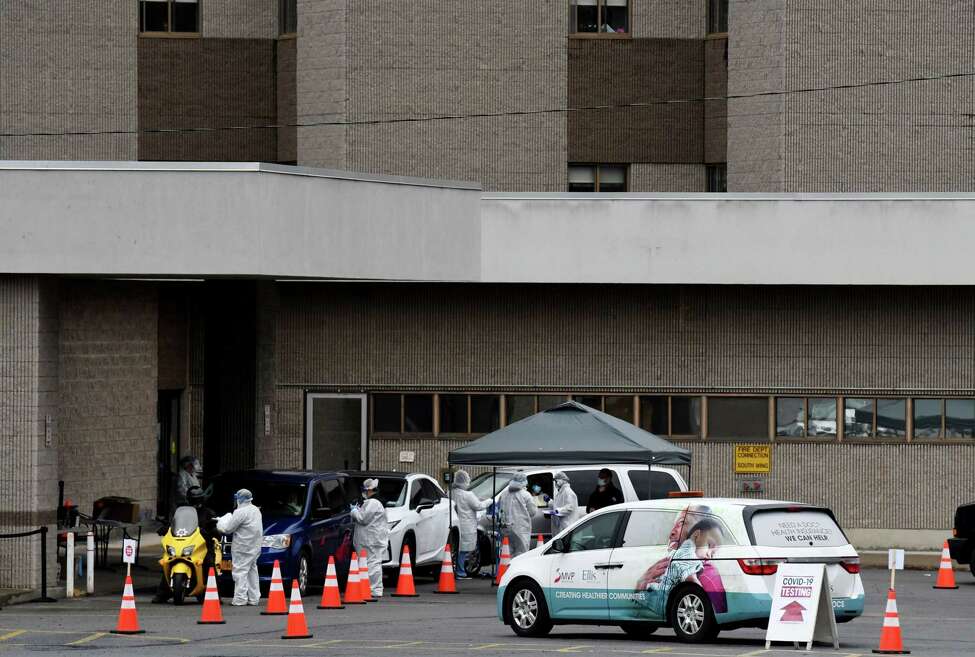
pixel 185 521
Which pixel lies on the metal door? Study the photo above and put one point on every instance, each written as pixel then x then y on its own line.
pixel 335 432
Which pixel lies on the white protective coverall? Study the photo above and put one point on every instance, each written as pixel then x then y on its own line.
pixel 565 504
pixel 372 533
pixel 247 526
pixel 517 510
pixel 184 482
pixel 467 505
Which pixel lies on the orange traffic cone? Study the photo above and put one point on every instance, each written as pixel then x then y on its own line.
pixel 276 604
pixel 504 562
pixel 331 597
pixel 212 615
pixel 365 588
pixel 128 618
pixel 447 583
pixel 946 573
pixel 890 634
pixel 353 588
pixel 540 541
pixel 297 627
pixel 404 585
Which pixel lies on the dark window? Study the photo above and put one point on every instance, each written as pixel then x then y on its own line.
pixel 518 407
pixel 891 418
pixel 960 418
pixel 416 494
pixel 418 413
pixel 546 402
pixel 453 413
pixel 598 533
pixel 653 415
pixel 592 401
pixel 858 415
pixel 717 177
pixel 599 16
pixel 927 418
pixel 717 16
pixel 334 495
pixel 597 178
pixel 386 413
pixel 738 417
pixel 431 492
pixel 661 483
pixel 685 416
pixel 620 406
pixel 485 413
pixel 169 15
pixel 287 16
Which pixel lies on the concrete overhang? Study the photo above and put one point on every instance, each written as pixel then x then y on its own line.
pixel 154 219
pixel 201 220
pixel 746 239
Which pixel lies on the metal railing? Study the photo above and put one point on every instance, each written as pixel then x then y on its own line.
pixel 42 530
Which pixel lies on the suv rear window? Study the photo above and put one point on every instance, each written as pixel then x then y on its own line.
pixel 803 528
pixel 661 483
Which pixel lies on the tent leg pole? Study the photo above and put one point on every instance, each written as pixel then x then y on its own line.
pixel 649 481
pixel 494 523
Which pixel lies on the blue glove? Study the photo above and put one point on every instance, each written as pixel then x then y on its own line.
pixel 546 498
pixel 490 509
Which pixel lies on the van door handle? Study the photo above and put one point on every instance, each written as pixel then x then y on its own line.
pixel 607 566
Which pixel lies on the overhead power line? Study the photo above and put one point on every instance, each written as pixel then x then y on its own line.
pixel 480 115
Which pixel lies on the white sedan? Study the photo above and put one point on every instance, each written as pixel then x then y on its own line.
pixel 419 515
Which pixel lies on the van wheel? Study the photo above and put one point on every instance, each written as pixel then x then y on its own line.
pixel 303 574
pixel 691 615
pixel 638 630
pixel 526 609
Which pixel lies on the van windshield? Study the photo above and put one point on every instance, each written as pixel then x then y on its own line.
pixel 804 528
pixel 481 485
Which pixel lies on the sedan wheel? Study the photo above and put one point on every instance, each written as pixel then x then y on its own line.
pixel 527 610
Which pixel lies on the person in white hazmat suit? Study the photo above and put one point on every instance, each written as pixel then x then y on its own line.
pixel 467 504
pixel 565 505
pixel 189 477
pixel 247 526
pixel 371 533
pixel 517 510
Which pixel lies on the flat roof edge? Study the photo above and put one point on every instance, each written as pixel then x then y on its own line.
pixel 715 197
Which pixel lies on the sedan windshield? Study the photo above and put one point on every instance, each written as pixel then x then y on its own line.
pixel 392 490
pixel 481 486
pixel 276 499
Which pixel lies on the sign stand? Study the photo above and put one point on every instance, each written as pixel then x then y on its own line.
pixel 802 608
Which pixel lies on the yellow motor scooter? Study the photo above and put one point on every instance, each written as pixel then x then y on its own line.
pixel 184 552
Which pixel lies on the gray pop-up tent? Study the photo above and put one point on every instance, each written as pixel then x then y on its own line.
pixel 570 434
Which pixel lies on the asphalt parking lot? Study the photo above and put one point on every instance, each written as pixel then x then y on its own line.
pixel 934 623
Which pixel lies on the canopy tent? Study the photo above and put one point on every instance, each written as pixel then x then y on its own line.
pixel 570 434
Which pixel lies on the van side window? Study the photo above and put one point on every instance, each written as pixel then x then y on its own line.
pixel 596 534
pixel 430 491
pixel 661 483
pixel 649 528
pixel 334 495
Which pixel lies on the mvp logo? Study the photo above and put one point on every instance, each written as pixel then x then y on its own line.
pixel 564 576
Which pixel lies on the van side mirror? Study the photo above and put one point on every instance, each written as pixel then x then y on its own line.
pixel 558 546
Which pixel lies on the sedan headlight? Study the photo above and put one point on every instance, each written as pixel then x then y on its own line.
pixel 277 541
pixel 393 524
pixel 188 551
pixel 170 550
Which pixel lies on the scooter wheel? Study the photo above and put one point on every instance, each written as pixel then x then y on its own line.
pixel 179 588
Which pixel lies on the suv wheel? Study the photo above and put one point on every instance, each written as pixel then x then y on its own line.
pixel 527 610
pixel 691 615
pixel 302 574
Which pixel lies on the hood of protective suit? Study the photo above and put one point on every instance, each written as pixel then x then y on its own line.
pixel 462 480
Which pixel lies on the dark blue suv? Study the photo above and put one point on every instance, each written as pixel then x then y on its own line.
pixel 306 520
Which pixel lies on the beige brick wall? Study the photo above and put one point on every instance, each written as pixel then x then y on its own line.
pixel 239 19
pixel 28 397
pixel 650 177
pixel 68 66
pixel 108 393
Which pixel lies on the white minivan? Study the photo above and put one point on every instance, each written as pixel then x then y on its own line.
pixel 635 482
pixel 698 565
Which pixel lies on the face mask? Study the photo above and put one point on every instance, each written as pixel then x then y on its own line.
pixel 365 495
pixel 536 489
pixel 601 482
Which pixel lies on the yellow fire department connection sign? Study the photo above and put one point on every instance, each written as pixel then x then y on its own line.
pixel 753 459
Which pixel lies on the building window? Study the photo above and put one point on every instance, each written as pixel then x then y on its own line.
pixel 799 417
pixel 287 16
pixel 874 418
pixel 599 16
pixel 959 418
pixel 671 416
pixel 387 413
pixel 518 407
pixel 620 406
pixel 453 414
pixel 597 178
pixel 485 413
pixel 418 413
pixel 717 16
pixel 717 177
pixel 169 16
pixel 738 417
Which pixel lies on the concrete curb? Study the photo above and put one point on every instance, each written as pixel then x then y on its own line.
pixel 912 560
